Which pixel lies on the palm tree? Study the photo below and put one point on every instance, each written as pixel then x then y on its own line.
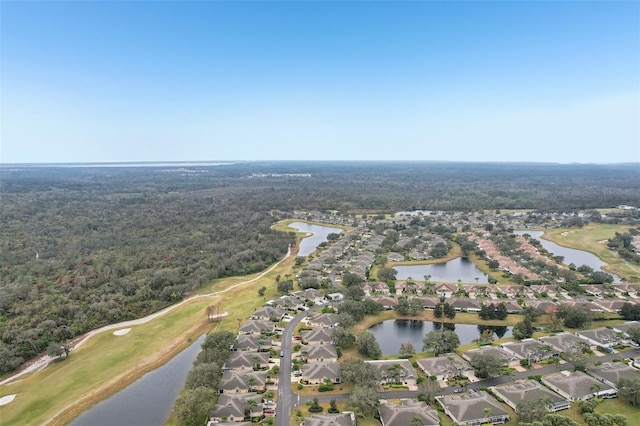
pixel 488 412
pixel 251 382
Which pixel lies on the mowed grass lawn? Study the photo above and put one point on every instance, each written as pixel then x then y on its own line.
pixel 108 363
pixel 592 238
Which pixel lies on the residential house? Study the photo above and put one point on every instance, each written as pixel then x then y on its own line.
pixel 531 350
pixel 256 327
pixel 473 408
pixel 610 372
pixel 512 307
pixel 268 314
pixel 288 303
pixel 322 320
pixel 406 413
pixel 592 290
pixel 396 371
pixel 395 257
pixel 611 305
pixel 385 301
pixel 445 366
pixel 426 302
pixel 319 353
pixel 465 305
pixel 375 288
pixel 576 386
pixel 543 305
pixel 496 352
pixel 602 336
pixel 530 390
pixel 624 328
pixel 252 343
pixel 411 287
pixel 445 289
pixel 346 418
pixel 563 342
pixel 247 361
pixel 320 336
pixel 320 372
pixel 242 382
pixel 237 407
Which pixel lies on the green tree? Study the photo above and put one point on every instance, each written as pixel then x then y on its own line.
pixel 530 410
pixel 343 338
pixel 407 350
pixel 364 400
pixel 203 374
pixel 629 389
pixel 523 330
pixel 285 286
pixel 333 407
pixel 358 372
pixel 55 350
pixel 634 333
pixel 427 390
pixel 486 365
pixel 448 311
pixel 441 341
pixel 403 306
pixel 387 274
pixel 437 312
pixel 193 406
pixel 349 279
pixel 367 345
pixel 574 316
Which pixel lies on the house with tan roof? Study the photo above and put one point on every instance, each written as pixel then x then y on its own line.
pixel 576 386
pixel 624 328
pixel 386 302
pixel 465 305
pixel 408 412
pixel 610 305
pixel 268 314
pixel 474 408
pixel 252 343
pixel 530 390
pixel 322 320
pixel 256 327
pixel 496 352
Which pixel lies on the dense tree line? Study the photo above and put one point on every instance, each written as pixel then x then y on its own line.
pixel 83 247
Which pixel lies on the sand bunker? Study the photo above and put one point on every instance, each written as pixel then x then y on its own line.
pixel 122 332
pixel 6 399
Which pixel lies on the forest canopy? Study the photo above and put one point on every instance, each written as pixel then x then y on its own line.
pixel 86 246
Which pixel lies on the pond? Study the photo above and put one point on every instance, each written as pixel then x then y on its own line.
pixel 577 257
pixel 391 334
pixel 319 235
pixel 456 269
pixel 148 400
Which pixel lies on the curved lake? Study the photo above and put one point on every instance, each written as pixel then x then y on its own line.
pixel 309 244
pixel 577 257
pixel 391 334
pixel 456 269
pixel 148 400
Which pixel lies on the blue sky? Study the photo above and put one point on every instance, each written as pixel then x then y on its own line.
pixel 433 81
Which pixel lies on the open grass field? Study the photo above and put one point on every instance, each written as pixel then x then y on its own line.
pixel 108 363
pixel 592 238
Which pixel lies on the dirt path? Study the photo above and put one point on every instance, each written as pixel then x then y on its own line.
pixel 42 361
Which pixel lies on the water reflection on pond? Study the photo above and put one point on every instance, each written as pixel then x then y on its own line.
pixel 391 334
pixel 309 244
pixel 456 269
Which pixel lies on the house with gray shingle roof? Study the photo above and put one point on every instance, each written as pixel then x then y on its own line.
pixel 319 353
pixel 322 320
pixel 610 372
pixel 577 386
pixel 242 382
pixel 494 351
pixel 386 302
pixel 472 408
pixel 246 361
pixel 252 343
pixel 465 305
pixel 396 371
pixel 610 305
pixel 406 413
pixel 445 366
pixel 232 407
pixel 346 418
pixel 268 314
pixel 319 336
pixel 624 328
pixel 602 336
pixel 320 372
pixel 256 327
pixel 563 342
pixel 530 390
pixel 531 350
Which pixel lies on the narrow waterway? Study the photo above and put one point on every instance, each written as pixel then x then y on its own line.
pixel 309 244
pixel 575 256
pixel 456 269
pixel 148 400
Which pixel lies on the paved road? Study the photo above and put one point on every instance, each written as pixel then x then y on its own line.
pixel 285 395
